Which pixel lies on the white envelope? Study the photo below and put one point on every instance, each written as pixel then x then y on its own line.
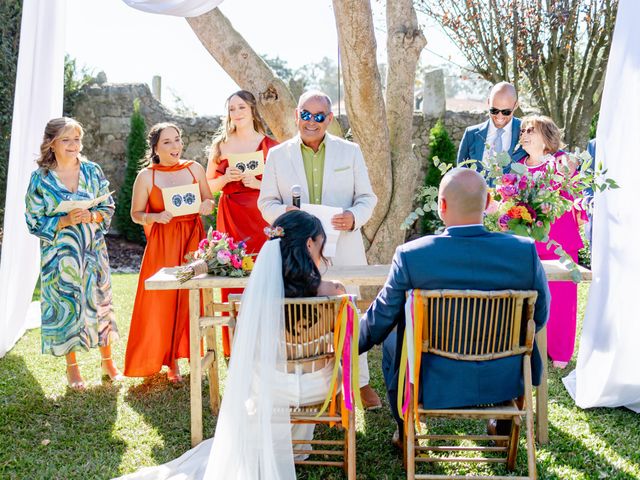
pixel 67 205
pixel 325 214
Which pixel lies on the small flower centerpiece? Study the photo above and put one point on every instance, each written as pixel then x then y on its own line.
pixel 218 254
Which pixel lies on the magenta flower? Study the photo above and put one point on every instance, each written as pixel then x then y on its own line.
pixel 545 208
pixel 503 222
pixel 232 244
pixel 508 191
pixel 539 223
pixel 509 178
pixel 522 184
pixel 236 262
pixel 223 256
pixel 216 236
pixel 204 243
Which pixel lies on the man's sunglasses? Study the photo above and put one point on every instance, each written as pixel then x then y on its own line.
pixel 505 111
pixel 317 117
pixel 528 130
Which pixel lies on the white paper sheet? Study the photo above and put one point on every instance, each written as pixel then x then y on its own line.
pixel 67 205
pixel 325 214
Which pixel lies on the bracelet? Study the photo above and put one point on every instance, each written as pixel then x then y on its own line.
pixel 144 218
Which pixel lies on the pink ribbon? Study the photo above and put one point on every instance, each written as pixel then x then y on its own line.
pixel 346 360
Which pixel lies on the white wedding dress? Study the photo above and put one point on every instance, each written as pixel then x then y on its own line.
pixel 253 434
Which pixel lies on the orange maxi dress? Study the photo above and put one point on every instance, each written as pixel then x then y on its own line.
pixel 239 217
pixel 159 332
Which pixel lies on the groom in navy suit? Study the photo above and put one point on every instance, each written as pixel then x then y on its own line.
pixel 465 256
pixel 501 133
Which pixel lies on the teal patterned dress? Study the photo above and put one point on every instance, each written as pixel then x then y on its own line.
pixel 77 313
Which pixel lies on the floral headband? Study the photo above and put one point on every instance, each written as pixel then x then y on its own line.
pixel 275 232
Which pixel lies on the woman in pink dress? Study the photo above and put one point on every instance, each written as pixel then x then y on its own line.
pixel 542 140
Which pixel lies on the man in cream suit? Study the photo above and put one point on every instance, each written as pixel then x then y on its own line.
pixel 331 171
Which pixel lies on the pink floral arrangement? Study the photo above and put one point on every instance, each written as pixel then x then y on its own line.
pixel 217 254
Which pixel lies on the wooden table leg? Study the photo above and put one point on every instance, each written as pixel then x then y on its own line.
pixel 542 393
pixel 196 367
pixel 212 346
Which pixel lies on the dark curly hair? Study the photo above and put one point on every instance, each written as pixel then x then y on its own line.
pixel 301 275
pixel 154 137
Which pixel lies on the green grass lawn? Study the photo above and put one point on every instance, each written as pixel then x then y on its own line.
pixel 49 432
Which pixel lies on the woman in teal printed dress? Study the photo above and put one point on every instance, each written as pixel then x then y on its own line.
pixel 75 280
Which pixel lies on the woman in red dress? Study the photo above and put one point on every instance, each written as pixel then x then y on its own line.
pixel 159 333
pixel 242 131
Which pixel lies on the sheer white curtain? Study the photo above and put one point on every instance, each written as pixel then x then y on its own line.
pixel 38 98
pixel 607 373
pixel 179 8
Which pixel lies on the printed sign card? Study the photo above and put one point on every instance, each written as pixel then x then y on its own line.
pixel 182 200
pixel 252 162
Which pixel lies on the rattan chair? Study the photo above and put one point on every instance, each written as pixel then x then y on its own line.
pixel 309 326
pixel 475 326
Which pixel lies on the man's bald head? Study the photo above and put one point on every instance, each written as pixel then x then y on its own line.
pixel 503 89
pixel 464 192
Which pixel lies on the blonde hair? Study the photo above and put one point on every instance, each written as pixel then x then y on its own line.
pixel 551 133
pixel 227 127
pixel 55 129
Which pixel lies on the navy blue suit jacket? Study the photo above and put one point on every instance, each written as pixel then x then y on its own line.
pixel 468 257
pixel 475 139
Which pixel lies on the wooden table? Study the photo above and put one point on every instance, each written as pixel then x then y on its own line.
pixel 365 275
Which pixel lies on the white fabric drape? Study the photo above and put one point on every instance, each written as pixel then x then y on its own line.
pixel 179 8
pixel 607 373
pixel 38 98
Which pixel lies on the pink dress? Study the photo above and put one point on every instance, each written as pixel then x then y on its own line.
pixel 561 328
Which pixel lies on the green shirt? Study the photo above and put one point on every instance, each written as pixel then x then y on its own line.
pixel 314 169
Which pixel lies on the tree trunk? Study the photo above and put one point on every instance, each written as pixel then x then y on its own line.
pixel 247 69
pixel 405 41
pixel 365 107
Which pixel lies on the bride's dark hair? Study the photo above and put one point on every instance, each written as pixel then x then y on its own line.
pixel 299 272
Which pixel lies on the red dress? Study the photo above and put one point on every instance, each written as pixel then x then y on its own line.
pixel 238 216
pixel 159 332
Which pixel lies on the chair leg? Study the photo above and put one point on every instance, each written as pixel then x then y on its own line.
pixel 409 443
pixel 514 438
pixel 351 446
pixel 528 399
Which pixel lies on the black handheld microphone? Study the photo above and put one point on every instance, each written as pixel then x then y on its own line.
pixel 296 192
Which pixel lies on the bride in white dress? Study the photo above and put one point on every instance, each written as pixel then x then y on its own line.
pixel 253 435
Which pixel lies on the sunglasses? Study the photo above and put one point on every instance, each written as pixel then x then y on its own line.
pixel 528 130
pixel 317 117
pixel 505 111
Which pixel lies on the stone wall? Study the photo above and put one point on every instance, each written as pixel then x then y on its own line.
pixel 104 111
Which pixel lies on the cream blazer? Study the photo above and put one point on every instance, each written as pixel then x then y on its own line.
pixel 345 184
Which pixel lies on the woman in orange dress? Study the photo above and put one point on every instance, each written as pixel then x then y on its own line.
pixel 159 333
pixel 242 131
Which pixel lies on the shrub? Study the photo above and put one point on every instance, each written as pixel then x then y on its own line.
pixel 136 148
pixel 75 78
pixel 441 146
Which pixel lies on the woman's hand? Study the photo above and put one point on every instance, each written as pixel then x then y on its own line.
pixel 75 216
pixel 250 181
pixel 162 217
pixel 571 163
pixel 206 207
pixel 232 174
